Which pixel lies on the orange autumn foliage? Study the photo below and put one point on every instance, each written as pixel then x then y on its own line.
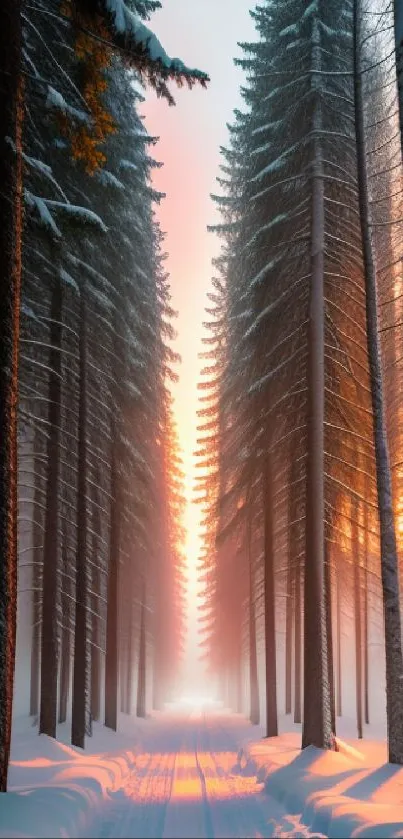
pixel 94 58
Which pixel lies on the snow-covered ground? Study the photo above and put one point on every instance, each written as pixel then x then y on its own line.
pixel 197 772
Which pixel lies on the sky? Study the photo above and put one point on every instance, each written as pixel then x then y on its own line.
pixel 204 34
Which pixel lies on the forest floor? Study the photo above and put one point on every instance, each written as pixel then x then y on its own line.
pixel 197 773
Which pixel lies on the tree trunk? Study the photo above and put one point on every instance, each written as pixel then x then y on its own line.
pixel 339 708
pixel 254 711
pixel 295 567
pixel 238 682
pixel 269 602
pixel 11 115
pixel 398 9
pixel 81 651
pixel 357 615
pixel 51 592
pixel 389 559
pixel 95 605
pixel 329 633
pixel 366 661
pixel 288 637
pixel 37 538
pixel 111 657
pixel 95 651
pixel 129 670
pixel 141 679
pixel 65 660
pixel 125 589
pixel 297 645
pixel 317 729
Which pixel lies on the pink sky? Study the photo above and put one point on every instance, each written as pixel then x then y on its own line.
pixel 204 34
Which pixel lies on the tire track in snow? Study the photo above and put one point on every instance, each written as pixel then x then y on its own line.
pixel 240 804
pixel 205 800
pixel 139 808
pixel 187 782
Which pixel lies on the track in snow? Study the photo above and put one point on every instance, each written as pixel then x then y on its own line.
pixel 186 782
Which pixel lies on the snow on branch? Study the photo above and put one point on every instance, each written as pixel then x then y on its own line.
pixel 77 213
pixel 34 202
pixel 147 54
pixel 55 101
pixel 45 209
pixel 106 178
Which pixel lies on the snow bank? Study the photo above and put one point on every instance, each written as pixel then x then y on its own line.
pixel 350 793
pixel 54 788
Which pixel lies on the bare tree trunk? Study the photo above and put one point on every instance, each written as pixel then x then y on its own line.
pixel 37 538
pixel 366 661
pixel 254 712
pixel 125 593
pixel 317 728
pixel 11 116
pixel 95 648
pixel 295 566
pixel 269 602
pixel 81 651
pixel 238 683
pixel 65 656
pixel 95 603
pixel 129 671
pixel 357 615
pixel 51 593
pixel 141 679
pixel 297 645
pixel 389 559
pixel 329 633
pixel 288 638
pixel 398 10
pixel 111 658
pixel 338 632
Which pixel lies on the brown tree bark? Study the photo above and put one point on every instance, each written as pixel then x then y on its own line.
pixel 254 710
pixel 398 19
pixel 288 637
pixel 297 646
pixel 37 540
pixel 81 651
pixel 329 632
pixel 269 602
pixel 95 605
pixel 50 593
pixel 11 117
pixel 366 651
pixel 339 707
pixel 65 651
pixel 357 614
pixel 111 657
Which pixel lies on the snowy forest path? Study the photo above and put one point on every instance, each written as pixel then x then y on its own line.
pixel 187 781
